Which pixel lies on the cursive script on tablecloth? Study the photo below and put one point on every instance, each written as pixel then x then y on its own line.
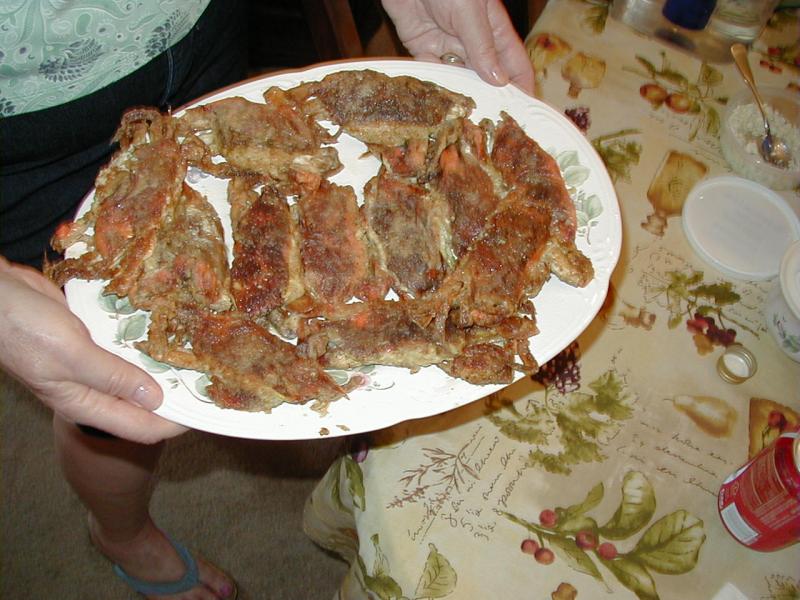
pixel 676 457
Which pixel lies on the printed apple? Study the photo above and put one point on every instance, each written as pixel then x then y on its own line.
pixel 653 93
pixel 679 103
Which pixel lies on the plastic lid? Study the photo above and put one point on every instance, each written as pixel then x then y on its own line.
pixel 790 278
pixel 740 227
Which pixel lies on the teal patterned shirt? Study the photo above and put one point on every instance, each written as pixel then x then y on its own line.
pixel 54 51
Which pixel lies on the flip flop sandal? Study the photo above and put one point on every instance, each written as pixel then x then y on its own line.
pixel 190 579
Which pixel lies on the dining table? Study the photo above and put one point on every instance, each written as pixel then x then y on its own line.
pixel 598 475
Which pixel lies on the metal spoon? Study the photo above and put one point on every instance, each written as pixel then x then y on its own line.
pixel 773 150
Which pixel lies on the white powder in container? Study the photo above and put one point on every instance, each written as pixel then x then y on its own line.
pixel 748 130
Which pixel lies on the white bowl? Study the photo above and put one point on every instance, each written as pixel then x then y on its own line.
pixel 742 154
pixel 782 309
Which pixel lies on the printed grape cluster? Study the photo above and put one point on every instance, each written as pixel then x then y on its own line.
pixel 704 325
pixel 563 371
pixel 580 116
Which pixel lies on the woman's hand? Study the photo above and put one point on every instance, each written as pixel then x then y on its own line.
pixel 479 31
pixel 49 349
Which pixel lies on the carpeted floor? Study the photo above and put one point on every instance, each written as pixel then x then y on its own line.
pixel 237 502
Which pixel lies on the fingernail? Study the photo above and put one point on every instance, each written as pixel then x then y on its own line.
pixel 226 589
pixel 145 397
pixel 499 76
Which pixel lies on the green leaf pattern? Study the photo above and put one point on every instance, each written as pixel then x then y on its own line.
pixel 636 509
pixel 596 15
pixel 578 422
pixel 355 482
pixel 588 208
pixel 576 175
pixel 153 366
pixel 111 303
pixel 131 328
pixel 619 153
pixel 380 584
pixel 670 546
pixel 438 577
pixel 437 580
pixel 574 557
pixel 592 499
pixel 633 576
pixel 201 385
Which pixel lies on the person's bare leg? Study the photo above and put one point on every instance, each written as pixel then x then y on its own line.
pixel 114 480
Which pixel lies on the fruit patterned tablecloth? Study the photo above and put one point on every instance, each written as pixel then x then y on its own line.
pixel 598 476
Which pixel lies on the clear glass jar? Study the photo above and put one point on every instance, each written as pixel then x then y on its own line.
pixel 741 20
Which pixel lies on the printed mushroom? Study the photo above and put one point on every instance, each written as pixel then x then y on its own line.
pixel 583 71
pixel 544 49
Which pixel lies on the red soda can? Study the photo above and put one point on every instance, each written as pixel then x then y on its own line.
pixel 760 503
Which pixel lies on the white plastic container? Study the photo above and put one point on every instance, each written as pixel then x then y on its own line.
pixel 739 227
pixel 782 309
pixel 739 140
